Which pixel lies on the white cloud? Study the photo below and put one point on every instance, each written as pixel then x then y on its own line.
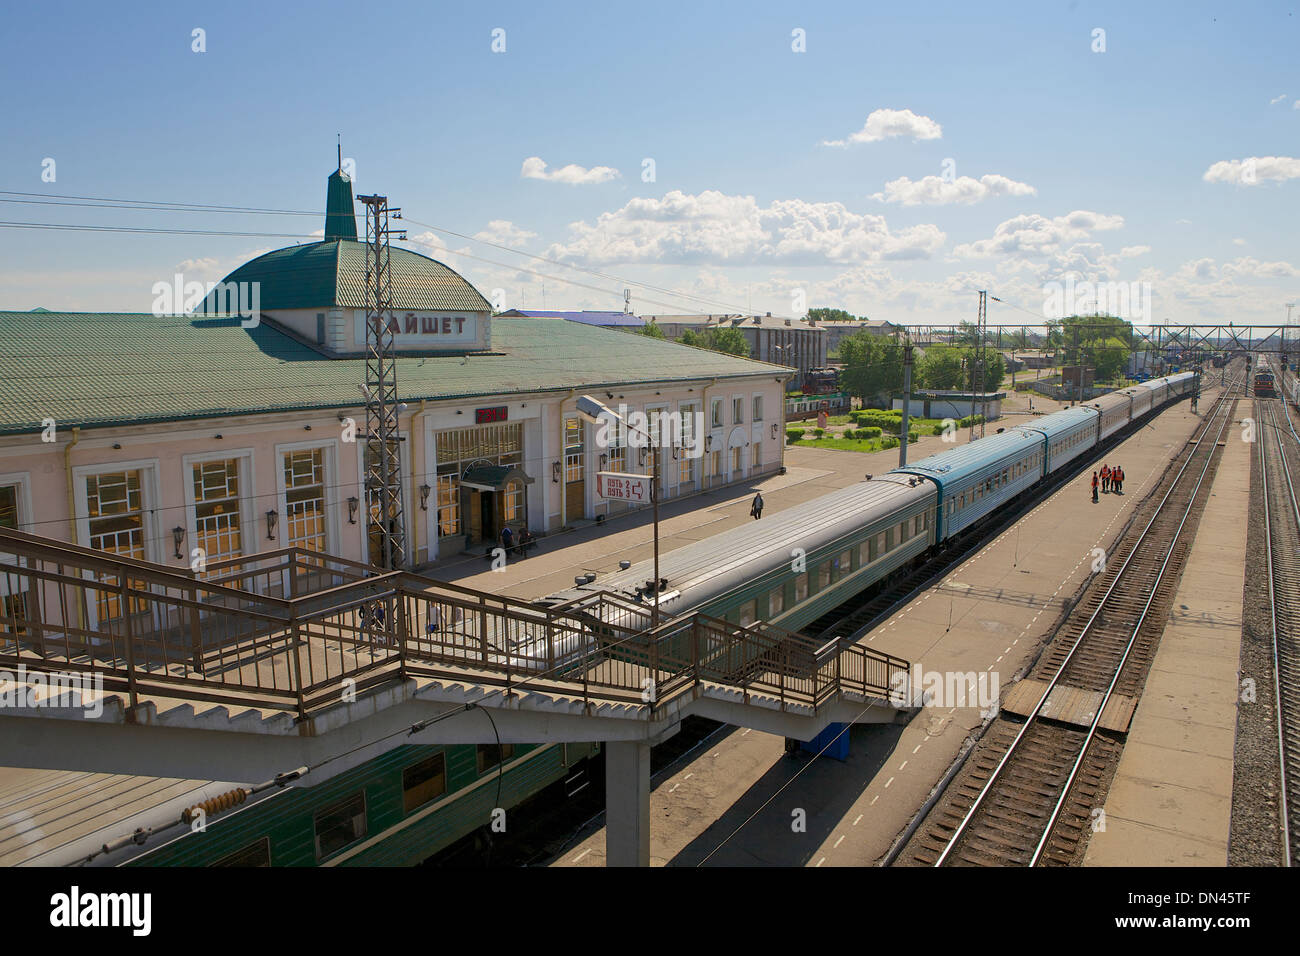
pixel 535 168
pixel 1253 169
pixel 1251 268
pixel 1239 242
pixel 1278 99
pixel 505 233
pixel 1129 252
pixel 1297 105
pixel 1037 236
pixel 937 191
pixel 720 229
pixel 887 124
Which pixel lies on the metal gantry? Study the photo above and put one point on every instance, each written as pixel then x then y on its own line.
pixel 383 459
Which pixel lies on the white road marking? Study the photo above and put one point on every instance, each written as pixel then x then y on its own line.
pixel 821 861
pixel 888 782
pixel 581 855
pixel 855 822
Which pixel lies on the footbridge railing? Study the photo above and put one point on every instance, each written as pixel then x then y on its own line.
pixel 291 629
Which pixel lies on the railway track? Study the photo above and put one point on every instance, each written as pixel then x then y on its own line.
pixel 1028 792
pixel 1278 443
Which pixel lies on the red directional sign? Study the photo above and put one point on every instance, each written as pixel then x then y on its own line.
pixel 623 487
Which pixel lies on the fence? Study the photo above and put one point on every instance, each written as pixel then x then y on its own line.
pixel 290 629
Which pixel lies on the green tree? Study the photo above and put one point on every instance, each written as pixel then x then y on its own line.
pixel 650 330
pixel 941 367
pixel 873 367
pixel 831 315
pixel 950 366
pixel 730 341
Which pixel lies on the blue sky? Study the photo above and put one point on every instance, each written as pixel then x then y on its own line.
pixel 1065 162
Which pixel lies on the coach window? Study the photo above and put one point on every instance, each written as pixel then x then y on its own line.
pixel 823 575
pixel 776 602
pixel 423 782
pixel 340 825
pixel 889 539
pixel 255 854
pixel 801 588
pixel 748 612
pixel 489 755
pixel 864 553
pixel 846 564
pixel 902 531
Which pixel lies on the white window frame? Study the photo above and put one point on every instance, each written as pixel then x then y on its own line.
pixel 23 479
pixel 247 514
pixel 333 505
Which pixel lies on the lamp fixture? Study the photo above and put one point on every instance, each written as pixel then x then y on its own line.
pixel 604 460
pixel 306 428
pixel 424 497
pixel 775 428
pixel 352 509
pixel 178 537
pixel 272 519
pixel 555 472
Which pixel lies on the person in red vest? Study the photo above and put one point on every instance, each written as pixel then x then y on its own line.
pixel 1094 487
pixel 1105 479
pixel 1117 480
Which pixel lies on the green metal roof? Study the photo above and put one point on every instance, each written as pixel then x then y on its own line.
pixel 321 275
pixel 99 369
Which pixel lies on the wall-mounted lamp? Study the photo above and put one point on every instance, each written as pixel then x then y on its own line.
pixel 178 537
pixel 643 455
pixel 604 460
pixel 708 442
pixel 424 497
pixel 555 472
pixel 272 519
pixel 775 429
pixel 352 509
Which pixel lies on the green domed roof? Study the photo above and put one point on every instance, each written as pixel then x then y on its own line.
pixel 322 275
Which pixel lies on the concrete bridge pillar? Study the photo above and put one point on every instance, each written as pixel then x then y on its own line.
pixel 627 803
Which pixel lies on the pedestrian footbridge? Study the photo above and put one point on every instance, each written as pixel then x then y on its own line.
pixel 293 658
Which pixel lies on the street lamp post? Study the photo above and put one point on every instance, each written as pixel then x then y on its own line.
pixel 593 410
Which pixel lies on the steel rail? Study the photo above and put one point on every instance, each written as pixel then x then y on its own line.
pixel 1128 649
pixel 1222 402
pixel 1284 751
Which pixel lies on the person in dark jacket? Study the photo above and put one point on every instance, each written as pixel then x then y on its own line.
pixel 1094 487
pixel 756 508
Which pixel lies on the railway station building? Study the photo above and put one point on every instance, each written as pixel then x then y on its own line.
pixel 155 436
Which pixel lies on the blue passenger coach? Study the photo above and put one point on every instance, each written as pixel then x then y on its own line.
pixel 1070 433
pixel 976 479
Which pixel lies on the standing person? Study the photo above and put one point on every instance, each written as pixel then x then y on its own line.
pixel 756 507
pixel 1094 487
pixel 507 539
pixel 1118 480
pixel 1105 479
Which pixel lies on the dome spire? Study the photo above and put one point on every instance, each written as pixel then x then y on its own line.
pixel 340 217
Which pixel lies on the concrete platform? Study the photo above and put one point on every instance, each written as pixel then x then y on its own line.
pixel 742 802
pixel 1170 803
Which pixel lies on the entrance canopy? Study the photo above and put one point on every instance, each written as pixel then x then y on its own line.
pixel 492 477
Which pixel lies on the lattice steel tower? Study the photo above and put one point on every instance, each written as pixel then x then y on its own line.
pixel 383 465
